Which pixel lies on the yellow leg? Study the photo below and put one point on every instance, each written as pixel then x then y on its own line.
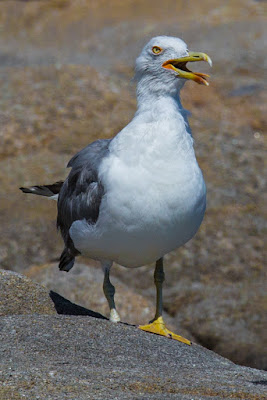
pixel 157 325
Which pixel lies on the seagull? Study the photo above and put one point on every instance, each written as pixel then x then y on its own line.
pixel 138 196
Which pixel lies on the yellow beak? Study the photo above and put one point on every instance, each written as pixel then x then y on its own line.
pixel 179 66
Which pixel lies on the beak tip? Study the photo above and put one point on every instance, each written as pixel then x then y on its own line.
pixel 209 61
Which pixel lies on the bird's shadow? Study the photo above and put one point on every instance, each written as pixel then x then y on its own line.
pixel 262 382
pixel 66 307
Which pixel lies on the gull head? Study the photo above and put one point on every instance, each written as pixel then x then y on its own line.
pixel 162 65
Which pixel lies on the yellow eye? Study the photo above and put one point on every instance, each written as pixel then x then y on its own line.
pixel 156 50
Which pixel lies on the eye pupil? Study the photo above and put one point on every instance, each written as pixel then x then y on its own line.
pixel 156 50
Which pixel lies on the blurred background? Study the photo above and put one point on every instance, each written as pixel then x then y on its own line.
pixel 65 77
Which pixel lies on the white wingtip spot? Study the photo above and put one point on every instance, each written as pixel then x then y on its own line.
pixel 55 197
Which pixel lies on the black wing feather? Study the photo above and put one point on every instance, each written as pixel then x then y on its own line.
pixel 44 190
pixel 81 194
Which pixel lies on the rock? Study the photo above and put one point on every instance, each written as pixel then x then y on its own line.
pixel 60 357
pixel 229 319
pixel 84 285
pixel 20 295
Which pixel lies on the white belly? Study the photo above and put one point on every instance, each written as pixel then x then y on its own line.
pixel 143 214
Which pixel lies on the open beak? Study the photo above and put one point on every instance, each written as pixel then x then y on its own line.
pixel 179 66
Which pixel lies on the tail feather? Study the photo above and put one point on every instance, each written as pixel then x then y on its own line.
pixel 44 190
pixel 66 261
pixel 67 257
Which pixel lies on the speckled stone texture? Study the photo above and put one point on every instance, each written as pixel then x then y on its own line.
pixel 21 295
pixel 81 358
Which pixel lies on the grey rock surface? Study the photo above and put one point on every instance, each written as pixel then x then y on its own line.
pixel 20 295
pixel 228 318
pixel 81 358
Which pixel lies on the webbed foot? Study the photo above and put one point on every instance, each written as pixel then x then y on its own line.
pixel 158 326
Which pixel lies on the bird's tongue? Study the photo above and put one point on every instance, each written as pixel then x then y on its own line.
pixel 198 77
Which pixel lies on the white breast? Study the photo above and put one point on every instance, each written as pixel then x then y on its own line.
pixel 154 200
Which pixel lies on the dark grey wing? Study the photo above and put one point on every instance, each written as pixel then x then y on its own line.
pixel 81 194
pixel 93 153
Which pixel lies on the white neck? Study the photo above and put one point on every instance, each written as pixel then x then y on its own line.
pixel 155 105
pixel 159 126
pixel 154 108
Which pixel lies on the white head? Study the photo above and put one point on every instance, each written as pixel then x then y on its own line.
pixel 161 66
